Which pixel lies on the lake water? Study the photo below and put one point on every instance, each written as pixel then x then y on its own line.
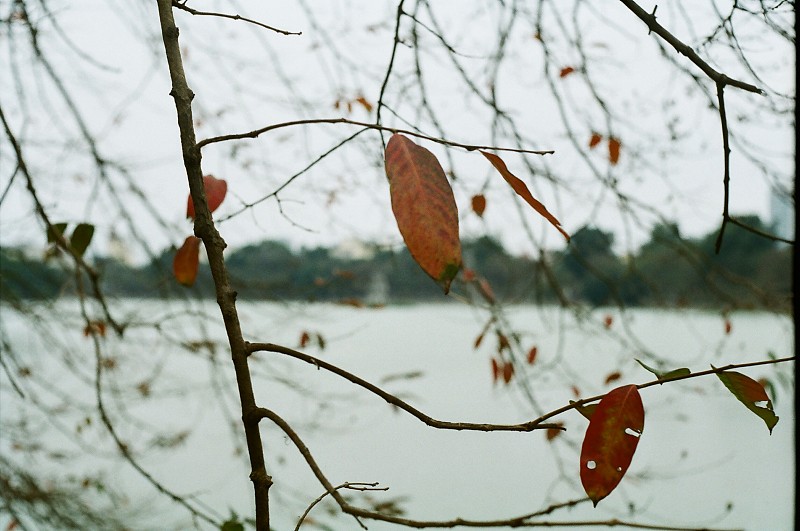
pixel 703 460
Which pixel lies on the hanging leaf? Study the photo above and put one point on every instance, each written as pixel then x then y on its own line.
pixel 532 355
pixel 608 321
pixel 425 208
pixel 81 238
pixel 304 339
pixel 613 377
pixel 320 341
pixel 613 150
pixel 478 204
pixel 610 441
pixel 727 326
pixel 508 372
pixel 750 393
pixel 495 370
pixel 215 194
pixel 522 190
pixel 55 229
pixel 187 261
pixel 595 140
pixel 567 70
pixel 552 433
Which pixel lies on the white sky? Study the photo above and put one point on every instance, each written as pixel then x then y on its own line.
pixel 236 72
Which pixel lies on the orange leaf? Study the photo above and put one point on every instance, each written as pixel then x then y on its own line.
pixel 522 190
pixel 532 355
pixel 478 204
pixel 610 441
pixel 425 208
pixel 613 150
pixel 613 377
pixel 596 139
pixel 364 103
pixel 567 70
pixel 215 194
pixel 187 261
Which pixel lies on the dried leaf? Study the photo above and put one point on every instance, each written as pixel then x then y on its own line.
pixel 608 321
pixel 727 326
pixel 495 370
pixel 610 441
pixel 187 261
pixel 750 393
pixel 614 376
pixel 478 204
pixel 216 189
pixel 305 337
pixel 552 433
pixel 613 150
pixel 522 190
pixel 508 372
pixel 364 103
pixel 425 209
pixel 594 140
pixel 567 70
pixel 532 355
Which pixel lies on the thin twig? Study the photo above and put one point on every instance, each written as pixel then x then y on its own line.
pixel 183 7
pixel 469 147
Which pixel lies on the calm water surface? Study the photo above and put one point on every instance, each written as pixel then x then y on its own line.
pixel 703 460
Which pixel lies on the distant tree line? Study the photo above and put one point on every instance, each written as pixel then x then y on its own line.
pixel 667 271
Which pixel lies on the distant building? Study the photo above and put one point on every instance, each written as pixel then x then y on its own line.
pixel 781 209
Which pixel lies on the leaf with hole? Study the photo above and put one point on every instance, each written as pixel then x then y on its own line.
pixel 215 189
pixel 187 261
pixel 750 393
pixel 522 190
pixel 610 441
pixel 425 209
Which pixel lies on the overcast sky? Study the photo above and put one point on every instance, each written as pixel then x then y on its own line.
pixel 240 72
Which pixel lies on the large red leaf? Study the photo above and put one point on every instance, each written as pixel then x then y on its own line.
pixel 187 261
pixel 425 208
pixel 751 394
pixel 522 190
pixel 611 439
pixel 215 194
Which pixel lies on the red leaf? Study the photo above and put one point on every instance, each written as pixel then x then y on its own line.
pixel 727 326
pixel 495 370
pixel 596 139
pixel 522 190
pixel 187 261
pixel 608 321
pixel 508 372
pixel 613 377
pixel 478 204
pixel 613 150
pixel 304 339
pixel 752 394
pixel 567 70
pixel 610 441
pixel 532 355
pixel 425 208
pixel 215 194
